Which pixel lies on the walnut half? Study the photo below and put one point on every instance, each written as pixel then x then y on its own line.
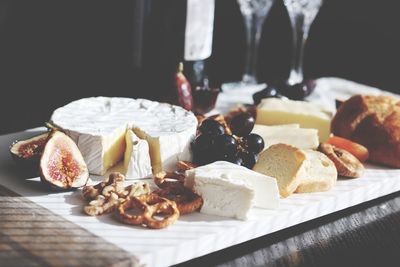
pixel 107 195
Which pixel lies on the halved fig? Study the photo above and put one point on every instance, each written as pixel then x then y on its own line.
pixel 27 153
pixel 62 165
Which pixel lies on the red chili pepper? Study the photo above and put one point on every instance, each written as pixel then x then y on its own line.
pixel 183 89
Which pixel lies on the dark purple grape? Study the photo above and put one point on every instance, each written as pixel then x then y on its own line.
pixel 249 159
pixel 254 143
pixel 268 92
pixel 225 145
pixel 234 159
pixel 299 91
pixel 203 142
pixel 210 126
pixel 203 149
pixel 242 124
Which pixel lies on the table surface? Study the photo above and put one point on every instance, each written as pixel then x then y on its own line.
pixel 364 235
pixel 33 236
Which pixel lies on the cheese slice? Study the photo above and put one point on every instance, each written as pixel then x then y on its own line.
pixel 274 111
pixel 230 190
pixel 98 126
pixel 288 134
pixel 100 152
pixel 167 149
pixel 137 163
pixel 292 126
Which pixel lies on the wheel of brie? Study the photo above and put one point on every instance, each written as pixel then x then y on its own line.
pixel 99 126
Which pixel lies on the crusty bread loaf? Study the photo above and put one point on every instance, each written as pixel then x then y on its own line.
pixel 320 173
pixel 373 121
pixel 284 163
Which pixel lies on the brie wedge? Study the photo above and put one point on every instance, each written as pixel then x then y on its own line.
pixel 137 163
pixel 230 190
pixel 98 126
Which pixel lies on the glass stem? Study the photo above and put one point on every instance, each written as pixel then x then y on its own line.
pixel 253 25
pixel 299 39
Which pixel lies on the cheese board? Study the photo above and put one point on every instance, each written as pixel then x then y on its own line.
pixel 198 234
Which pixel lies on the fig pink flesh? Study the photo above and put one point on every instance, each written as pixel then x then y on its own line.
pixel 62 163
pixel 29 149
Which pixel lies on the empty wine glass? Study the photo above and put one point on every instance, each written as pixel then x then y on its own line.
pixel 254 13
pixel 302 14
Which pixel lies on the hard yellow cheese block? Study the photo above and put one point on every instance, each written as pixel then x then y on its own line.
pixel 289 134
pixel 274 111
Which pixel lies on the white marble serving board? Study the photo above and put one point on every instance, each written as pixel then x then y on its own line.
pixel 196 234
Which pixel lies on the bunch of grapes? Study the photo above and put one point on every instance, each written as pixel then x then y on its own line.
pixel 241 147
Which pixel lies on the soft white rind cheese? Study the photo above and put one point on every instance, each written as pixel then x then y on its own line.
pixel 222 195
pixel 167 149
pixel 137 163
pixel 98 126
pixel 100 151
pixel 230 190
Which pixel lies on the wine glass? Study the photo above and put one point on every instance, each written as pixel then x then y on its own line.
pixel 254 13
pixel 302 14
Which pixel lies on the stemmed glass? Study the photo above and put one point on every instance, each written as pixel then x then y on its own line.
pixel 254 13
pixel 301 13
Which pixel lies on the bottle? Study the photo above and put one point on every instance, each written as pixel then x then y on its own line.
pixel 198 40
pixel 197 50
pixel 171 32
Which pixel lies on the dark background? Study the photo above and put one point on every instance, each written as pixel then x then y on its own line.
pixel 52 52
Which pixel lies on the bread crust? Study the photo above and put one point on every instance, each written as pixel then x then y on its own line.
pixel 300 172
pixel 374 122
pixel 348 116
